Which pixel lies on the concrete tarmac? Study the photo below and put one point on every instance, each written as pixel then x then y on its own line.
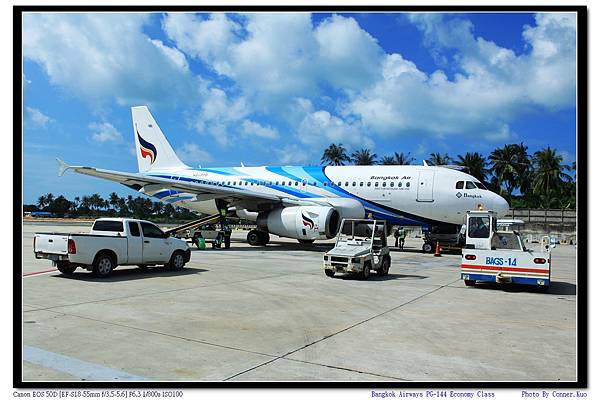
pixel 271 314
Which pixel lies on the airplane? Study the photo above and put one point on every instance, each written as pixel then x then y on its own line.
pixel 303 203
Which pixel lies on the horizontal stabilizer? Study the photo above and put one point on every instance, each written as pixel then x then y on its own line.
pixel 62 167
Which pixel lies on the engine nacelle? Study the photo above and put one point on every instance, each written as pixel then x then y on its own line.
pixel 305 222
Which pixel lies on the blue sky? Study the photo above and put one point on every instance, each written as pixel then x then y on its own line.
pixel 276 89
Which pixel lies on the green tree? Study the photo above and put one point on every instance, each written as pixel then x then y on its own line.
pixel 549 176
pixel 403 159
pixel 363 157
pixel 439 159
pixel 335 155
pixel 387 160
pixel 475 164
pixel 503 166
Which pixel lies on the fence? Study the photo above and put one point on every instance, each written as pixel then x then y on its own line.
pixel 550 216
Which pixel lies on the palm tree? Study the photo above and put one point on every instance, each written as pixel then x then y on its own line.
pixel 475 164
pixel 503 167
pixel 439 159
pixel 522 162
pixel 387 160
pixel 363 157
pixel 42 201
pixel 403 159
pixel 549 177
pixel 335 155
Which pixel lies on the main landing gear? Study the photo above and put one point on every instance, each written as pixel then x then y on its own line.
pixel 257 238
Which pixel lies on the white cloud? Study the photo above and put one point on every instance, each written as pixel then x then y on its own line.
pixel 176 56
pixel 192 154
pixel 251 128
pixel 103 56
pixel 494 86
pixel 104 132
pixel 321 128
pixel 36 117
pixel 292 154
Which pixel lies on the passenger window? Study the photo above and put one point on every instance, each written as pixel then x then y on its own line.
pixel 134 228
pixel 399 184
pixel 460 184
pixel 392 184
pixel 339 183
pixel 277 183
pixel 376 184
pixel 470 185
pixel 290 183
pixel 383 184
pixel 407 184
pixel 152 231
pixel 296 184
pixel 314 183
pixel 368 184
pixel 360 184
pixel 324 183
pixel 345 183
pixel 353 183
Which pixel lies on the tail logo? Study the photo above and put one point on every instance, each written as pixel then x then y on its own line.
pixel 306 221
pixel 147 149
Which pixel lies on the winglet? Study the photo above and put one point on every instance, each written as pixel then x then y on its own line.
pixel 62 167
pixel 242 164
pixel 425 163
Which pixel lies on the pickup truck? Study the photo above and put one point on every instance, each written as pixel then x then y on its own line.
pixel 112 242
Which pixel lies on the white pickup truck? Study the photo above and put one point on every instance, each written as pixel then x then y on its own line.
pixel 112 242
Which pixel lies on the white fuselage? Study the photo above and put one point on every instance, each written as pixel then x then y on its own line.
pixel 402 195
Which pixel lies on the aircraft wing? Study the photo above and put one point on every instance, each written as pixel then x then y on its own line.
pixel 145 183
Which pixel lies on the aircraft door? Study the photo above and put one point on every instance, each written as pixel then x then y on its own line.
pixel 425 188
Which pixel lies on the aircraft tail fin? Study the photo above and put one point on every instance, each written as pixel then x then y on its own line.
pixel 152 148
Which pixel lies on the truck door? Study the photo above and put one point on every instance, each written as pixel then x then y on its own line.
pixel 134 244
pixel 155 247
pixel 425 188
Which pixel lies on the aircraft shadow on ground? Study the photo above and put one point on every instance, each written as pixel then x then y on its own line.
pixel 129 274
pixel 321 248
pixel 556 287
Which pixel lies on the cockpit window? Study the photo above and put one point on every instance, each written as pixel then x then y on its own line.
pixel 460 184
pixel 480 185
pixel 470 185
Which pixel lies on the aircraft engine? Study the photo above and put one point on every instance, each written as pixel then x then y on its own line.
pixel 303 222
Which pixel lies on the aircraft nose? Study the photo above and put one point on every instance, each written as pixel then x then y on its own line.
pixel 500 206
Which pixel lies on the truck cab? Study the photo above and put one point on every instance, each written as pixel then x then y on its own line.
pixel 497 256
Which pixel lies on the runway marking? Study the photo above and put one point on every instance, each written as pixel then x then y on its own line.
pixel 72 366
pixel 47 271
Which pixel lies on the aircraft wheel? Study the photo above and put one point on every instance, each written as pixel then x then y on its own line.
pixel 254 238
pixel 428 247
pixel 264 238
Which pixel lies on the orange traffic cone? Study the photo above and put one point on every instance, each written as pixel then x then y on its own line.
pixel 438 250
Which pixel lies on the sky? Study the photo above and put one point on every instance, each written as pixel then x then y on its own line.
pixel 277 89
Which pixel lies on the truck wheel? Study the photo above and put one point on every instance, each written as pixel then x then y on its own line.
pixel 427 247
pixel 305 241
pixel 366 272
pixel 103 265
pixel 385 266
pixel 330 273
pixel 177 261
pixel 469 282
pixel 254 238
pixel 65 267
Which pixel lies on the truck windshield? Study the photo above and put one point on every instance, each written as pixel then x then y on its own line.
pixel 108 226
pixel 356 230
